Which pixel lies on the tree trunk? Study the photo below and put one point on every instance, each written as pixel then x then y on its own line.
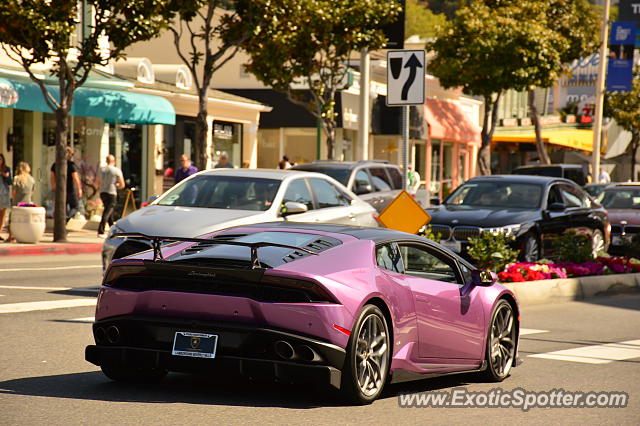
pixel 202 129
pixel 60 206
pixel 330 129
pixel 488 127
pixel 543 157
pixel 635 143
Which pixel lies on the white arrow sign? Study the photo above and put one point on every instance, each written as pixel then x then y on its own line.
pixel 405 77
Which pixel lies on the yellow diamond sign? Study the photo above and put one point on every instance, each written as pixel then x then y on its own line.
pixel 404 214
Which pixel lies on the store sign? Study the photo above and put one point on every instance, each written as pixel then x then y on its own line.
pixel 350 108
pixel 223 131
pixel 620 65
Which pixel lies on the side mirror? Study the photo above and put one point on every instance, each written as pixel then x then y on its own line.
pixel 557 207
pixel 434 201
pixel 291 207
pixel 363 189
pixel 484 278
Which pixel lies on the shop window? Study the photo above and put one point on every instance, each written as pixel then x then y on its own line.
pixel 227 137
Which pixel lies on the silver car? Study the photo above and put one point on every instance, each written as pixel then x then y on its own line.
pixel 217 199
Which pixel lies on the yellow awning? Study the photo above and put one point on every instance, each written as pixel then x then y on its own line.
pixel 571 138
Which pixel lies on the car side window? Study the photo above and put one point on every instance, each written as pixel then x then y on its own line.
pixel 327 195
pixel 420 262
pixel 380 179
pixel 362 183
pixel 388 257
pixel 396 177
pixel 572 197
pixel 554 196
pixel 298 192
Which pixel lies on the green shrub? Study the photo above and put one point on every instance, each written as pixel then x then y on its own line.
pixel 573 247
pixel 491 250
pixel 427 232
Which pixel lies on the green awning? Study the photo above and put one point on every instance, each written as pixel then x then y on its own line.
pixel 111 105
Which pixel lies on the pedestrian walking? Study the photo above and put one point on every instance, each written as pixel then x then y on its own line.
pixel 604 176
pixel 108 181
pixel 413 181
pixel 23 184
pixel 285 164
pixel 185 170
pixel 74 188
pixel 5 182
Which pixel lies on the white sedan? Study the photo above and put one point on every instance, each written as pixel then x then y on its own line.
pixel 217 199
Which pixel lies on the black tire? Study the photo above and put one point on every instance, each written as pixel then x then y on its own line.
pixel 597 242
pixel 121 373
pixel 499 354
pixel 368 357
pixel 531 248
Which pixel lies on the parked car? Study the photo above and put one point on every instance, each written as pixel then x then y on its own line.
pixel 622 201
pixel 534 209
pixel 595 189
pixel 376 182
pixel 221 198
pixel 574 172
pixel 349 307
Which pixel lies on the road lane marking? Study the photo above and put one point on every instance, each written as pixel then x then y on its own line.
pixel 597 354
pixel 527 331
pixel 12 308
pixel 22 287
pixel 85 319
pixel 51 268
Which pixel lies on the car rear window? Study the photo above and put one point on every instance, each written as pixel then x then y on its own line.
pixel 223 192
pixel 339 174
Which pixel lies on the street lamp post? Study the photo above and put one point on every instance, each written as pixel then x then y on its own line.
pixel 602 72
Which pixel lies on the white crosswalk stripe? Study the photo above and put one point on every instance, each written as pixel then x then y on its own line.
pixel 11 308
pixel 527 331
pixel 596 354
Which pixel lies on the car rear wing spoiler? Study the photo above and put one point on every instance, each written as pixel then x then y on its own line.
pixel 156 244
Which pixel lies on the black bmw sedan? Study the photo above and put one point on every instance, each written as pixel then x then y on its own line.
pixel 534 209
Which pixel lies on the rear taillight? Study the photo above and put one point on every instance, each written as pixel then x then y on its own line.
pixel 316 293
pixel 117 272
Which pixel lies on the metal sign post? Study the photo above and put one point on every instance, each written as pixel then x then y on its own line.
pixel 405 87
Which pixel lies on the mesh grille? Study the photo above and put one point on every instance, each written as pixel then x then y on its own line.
pixel 463 233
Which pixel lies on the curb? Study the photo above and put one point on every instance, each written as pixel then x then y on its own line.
pixel 570 289
pixel 50 249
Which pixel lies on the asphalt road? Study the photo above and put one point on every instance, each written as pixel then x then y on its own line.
pixel 45 379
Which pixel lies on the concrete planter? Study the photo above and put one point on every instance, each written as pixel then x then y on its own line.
pixel 568 289
pixel 27 224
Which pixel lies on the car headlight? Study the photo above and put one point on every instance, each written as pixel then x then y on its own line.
pixel 508 230
pixel 114 230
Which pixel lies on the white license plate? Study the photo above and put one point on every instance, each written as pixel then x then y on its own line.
pixel 195 345
pixel 452 245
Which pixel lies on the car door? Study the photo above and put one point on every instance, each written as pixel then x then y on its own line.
pixel 363 188
pixel 298 191
pixel 450 325
pixel 579 210
pixel 331 203
pixel 554 221
pixel 382 186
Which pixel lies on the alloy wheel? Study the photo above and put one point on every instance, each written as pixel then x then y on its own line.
pixel 503 338
pixel 371 355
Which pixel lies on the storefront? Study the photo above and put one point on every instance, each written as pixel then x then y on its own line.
pixel 451 148
pixel 105 118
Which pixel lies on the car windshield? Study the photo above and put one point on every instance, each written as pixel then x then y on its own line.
pixel 223 192
pixel 620 199
pixel 497 194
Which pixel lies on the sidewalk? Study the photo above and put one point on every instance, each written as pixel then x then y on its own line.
pixel 83 241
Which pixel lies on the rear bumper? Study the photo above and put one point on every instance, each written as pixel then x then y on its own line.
pixel 241 350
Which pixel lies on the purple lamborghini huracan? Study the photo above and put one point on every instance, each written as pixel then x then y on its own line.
pixel 350 307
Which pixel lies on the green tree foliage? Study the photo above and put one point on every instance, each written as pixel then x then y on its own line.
pixel 624 107
pixel 37 32
pixel 204 23
pixel 420 20
pixel 309 42
pixel 496 45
